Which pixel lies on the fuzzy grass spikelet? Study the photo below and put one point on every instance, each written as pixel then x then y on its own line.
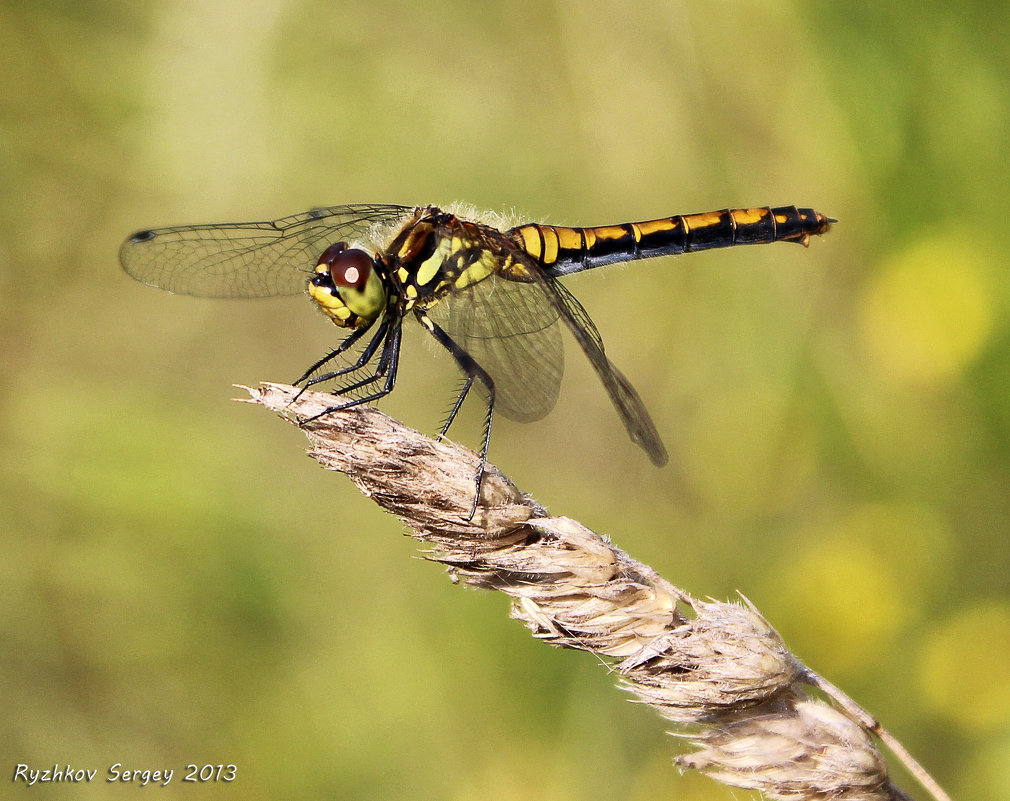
pixel 719 671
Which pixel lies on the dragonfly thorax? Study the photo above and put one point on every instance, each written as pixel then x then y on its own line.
pixel 347 286
pixel 438 253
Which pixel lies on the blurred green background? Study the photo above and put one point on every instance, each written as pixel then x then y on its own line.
pixel 182 585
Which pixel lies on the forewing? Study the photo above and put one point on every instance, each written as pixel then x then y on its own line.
pixel 248 260
pixel 510 329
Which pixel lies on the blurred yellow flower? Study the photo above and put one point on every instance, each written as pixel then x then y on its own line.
pixel 964 668
pixel 928 312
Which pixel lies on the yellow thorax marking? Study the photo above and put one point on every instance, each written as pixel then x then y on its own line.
pixel 477 271
pixel 429 268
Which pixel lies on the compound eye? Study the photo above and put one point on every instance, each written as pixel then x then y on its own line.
pixel 348 268
pixel 331 253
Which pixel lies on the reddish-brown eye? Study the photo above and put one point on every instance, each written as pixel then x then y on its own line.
pixel 348 268
pixel 331 253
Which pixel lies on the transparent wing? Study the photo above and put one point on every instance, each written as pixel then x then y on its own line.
pixel 629 406
pixel 510 329
pixel 248 260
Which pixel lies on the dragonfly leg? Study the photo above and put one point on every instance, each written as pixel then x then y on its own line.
pixel 387 367
pixel 384 364
pixel 484 448
pixel 362 360
pixel 473 372
pixel 347 343
pixel 457 406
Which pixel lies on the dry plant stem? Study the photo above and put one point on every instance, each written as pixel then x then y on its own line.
pixel 719 671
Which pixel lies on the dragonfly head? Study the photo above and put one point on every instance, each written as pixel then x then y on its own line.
pixel 347 287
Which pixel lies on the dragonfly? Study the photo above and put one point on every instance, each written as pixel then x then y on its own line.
pixel 485 289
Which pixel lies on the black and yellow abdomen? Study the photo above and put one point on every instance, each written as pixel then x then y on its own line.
pixel 560 251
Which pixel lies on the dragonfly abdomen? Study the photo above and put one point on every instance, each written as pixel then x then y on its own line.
pixel 560 251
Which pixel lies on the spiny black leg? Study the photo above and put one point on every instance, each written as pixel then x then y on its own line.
pixel 473 371
pixel 347 343
pixel 363 359
pixel 485 446
pixel 457 406
pixel 388 363
pixel 380 370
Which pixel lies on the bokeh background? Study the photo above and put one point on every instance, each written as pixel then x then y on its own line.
pixel 180 584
